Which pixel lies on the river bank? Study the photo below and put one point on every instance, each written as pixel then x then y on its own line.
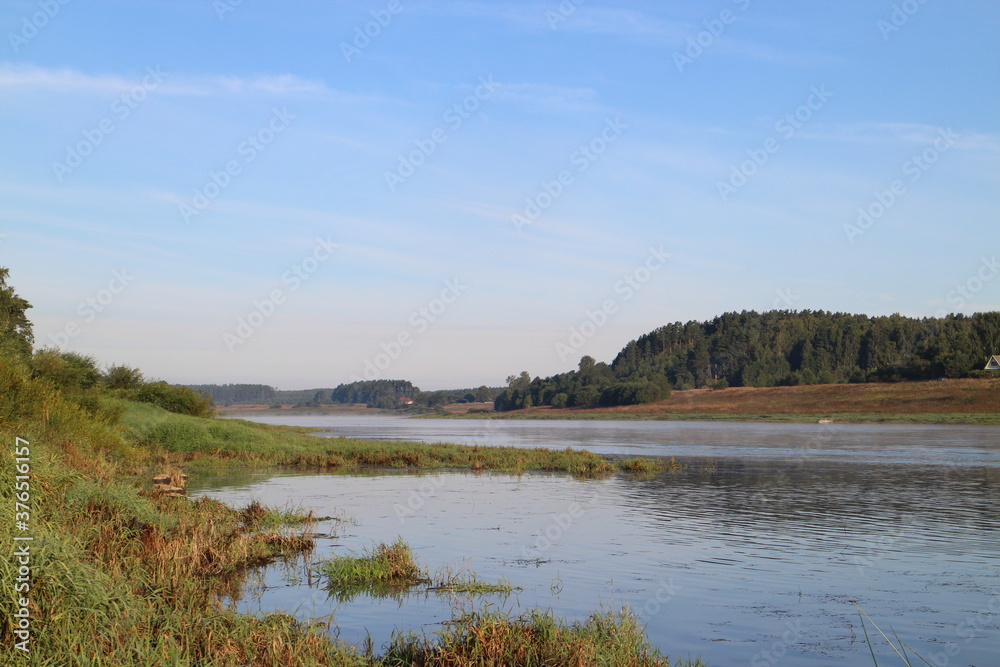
pixel 965 401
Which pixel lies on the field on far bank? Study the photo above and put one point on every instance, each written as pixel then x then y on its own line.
pixel 941 401
pixel 966 401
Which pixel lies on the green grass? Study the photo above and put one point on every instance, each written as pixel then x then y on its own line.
pixel 648 466
pixel 495 639
pixel 122 575
pixel 183 440
pixel 389 570
pixel 381 571
pixel 471 584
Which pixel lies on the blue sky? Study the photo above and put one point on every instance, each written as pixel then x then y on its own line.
pixel 450 192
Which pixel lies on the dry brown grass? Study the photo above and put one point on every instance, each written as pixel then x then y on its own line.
pixel 905 398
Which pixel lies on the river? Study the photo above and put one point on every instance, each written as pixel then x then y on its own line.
pixel 751 554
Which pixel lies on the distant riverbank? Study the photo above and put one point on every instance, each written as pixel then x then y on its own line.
pixel 936 402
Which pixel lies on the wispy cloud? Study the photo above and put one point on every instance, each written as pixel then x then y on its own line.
pixel 550 98
pixel 537 15
pixel 904 133
pixel 13 76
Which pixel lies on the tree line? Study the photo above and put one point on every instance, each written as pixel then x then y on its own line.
pixel 78 377
pixel 392 394
pixel 238 394
pixel 751 349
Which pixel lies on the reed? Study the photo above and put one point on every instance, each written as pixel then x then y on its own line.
pixel 125 575
pixel 497 639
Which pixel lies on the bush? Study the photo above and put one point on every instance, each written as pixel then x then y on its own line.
pixel 175 398
pixel 67 371
pixel 123 377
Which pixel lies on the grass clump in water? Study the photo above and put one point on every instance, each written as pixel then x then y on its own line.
pixel 383 570
pixel 466 581
pixel 648 466
pixel 494 639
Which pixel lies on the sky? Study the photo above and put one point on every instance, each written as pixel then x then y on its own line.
pixel 450 192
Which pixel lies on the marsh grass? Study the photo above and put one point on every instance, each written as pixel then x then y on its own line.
pixel 123 575
pixel 194 442
pixel 648 466
pixel 468 582
pixel 496 639
pixel 384 570
pixel 389 570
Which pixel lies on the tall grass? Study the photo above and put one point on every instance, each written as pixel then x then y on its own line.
pixel 123 575
pixel 382 571
pixel 181 439
pixel 495 639
pixel 900 649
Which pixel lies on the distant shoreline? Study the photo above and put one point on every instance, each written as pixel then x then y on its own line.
pixel 964 401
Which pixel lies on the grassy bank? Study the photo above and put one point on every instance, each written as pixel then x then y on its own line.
pixel 120 574
pixel 180 440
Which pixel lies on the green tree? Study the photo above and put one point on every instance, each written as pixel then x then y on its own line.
pixel 122 377
pixel 16 334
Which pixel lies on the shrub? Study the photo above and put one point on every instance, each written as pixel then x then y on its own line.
pixel 175 398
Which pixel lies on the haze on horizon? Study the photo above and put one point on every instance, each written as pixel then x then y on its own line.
pixel 223 191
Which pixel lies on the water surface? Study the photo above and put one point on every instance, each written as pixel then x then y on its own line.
pixel 748 556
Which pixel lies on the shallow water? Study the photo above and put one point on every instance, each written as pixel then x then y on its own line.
pixel 748 556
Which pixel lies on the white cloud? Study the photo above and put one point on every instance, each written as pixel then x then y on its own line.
pixel 68 80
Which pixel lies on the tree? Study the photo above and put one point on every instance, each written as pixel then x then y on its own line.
pixel 16 335
pixel 122 377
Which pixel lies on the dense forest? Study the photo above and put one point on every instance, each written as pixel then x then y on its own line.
pixel 374 393
pixel 750 349
pixel 232 394
pixel 263 394
pixel 401 393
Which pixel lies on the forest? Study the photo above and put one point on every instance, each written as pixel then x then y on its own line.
pixel 392 394
pixel 751 349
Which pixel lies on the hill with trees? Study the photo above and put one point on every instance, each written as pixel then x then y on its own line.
pixel 775 348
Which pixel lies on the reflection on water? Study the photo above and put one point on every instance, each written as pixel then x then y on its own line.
pixel 753 551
